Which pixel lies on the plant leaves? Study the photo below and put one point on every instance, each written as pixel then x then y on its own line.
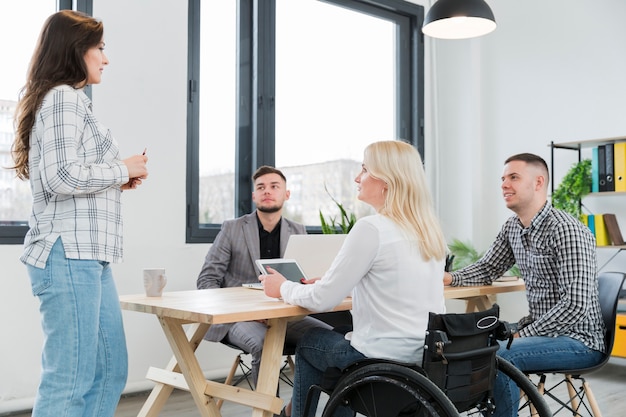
pixel 573 187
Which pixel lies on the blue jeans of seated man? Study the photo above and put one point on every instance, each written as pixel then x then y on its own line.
pixel 317 350
pixel 84 359
pixel 538 352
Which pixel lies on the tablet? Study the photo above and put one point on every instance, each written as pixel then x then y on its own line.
pixel 288 267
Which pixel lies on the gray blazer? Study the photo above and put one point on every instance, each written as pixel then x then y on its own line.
pixel 230 260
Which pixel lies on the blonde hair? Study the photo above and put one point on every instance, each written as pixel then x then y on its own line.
pixel 407 201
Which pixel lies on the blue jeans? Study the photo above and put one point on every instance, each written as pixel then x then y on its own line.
pixel 317 350
pixel 84 359
pixel 538 352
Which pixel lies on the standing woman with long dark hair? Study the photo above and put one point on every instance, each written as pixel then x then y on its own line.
pixel 75 228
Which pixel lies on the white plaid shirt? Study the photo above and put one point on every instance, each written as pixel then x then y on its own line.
pixel 556 255
pixel 75 178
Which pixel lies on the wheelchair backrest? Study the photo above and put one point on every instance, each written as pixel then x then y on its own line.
pixel 460 355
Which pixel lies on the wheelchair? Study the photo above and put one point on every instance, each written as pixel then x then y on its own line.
pixel 456 377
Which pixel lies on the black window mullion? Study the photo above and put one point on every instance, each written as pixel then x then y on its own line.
pixel 265 60
pixel 410 96
pixel 245 158
pixel 194 232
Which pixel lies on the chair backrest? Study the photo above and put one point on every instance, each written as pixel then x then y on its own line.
pixel 609 287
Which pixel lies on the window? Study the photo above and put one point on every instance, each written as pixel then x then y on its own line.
pixel 21 22
pixel 311 84
pixel 217 107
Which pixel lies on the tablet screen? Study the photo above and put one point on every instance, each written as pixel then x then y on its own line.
pixel 289 268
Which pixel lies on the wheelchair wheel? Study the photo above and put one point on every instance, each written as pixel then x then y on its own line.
pixel 389 390
pixel 532 402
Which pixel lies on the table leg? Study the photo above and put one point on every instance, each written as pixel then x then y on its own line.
pixel 478 303
pixel 189 366
pixel 161 392
pixel 270 362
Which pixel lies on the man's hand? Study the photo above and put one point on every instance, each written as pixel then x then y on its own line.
pixel 447 278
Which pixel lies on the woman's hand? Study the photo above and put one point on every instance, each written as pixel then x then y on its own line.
pixel 272 282
pixel 132 184
pixel 310 280
pixel 137 171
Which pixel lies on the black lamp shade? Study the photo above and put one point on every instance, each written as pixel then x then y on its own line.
pixel 459 19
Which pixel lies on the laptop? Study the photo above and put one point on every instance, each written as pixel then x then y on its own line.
pixel 314 253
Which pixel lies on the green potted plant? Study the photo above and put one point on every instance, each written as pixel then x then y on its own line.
pixel 331 226
pixel 464 254
pixel 573 187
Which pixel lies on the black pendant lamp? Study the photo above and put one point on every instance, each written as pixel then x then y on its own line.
pixel 459 19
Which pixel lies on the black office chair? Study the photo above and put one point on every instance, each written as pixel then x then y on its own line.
pixel 581 398
pixel 458 374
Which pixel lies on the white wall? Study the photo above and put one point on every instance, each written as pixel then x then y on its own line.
pixel 551 71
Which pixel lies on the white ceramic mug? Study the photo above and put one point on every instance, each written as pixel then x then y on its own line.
pixel 154 281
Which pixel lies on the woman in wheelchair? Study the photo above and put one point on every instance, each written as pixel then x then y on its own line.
pixel 391 263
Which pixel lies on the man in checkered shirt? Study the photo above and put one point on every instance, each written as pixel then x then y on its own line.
pixel 556 255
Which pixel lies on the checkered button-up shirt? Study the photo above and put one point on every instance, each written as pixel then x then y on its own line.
pixel 76 177
pixel 556 255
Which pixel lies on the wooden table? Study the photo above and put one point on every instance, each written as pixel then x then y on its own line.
pixel 479 298
pixel 201 308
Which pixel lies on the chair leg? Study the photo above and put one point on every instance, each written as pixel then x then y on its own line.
pixel 592 400
pixel 292 365
pixel 541 386
pixel 283 376
pixel 573 395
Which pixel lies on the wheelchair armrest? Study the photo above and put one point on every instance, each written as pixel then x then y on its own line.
pixel 472 353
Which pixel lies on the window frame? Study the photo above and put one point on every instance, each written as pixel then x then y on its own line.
pixel 256 68
pixel 12 232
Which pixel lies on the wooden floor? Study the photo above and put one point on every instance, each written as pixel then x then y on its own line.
pixel 608 385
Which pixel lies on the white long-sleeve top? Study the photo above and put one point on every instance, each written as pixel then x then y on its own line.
pixel 393 290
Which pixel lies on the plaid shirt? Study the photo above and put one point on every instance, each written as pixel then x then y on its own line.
pixel 75 178
pixel 556 255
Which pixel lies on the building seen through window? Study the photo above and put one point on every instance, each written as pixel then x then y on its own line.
pixel 20 23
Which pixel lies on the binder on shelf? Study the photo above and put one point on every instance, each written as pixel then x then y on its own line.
pixel 602 168
pixel 595 175
pixel 615 235
pixel 608 166
pixel 619 154
pixel 602 235
pixel 591 223
pixel 584 219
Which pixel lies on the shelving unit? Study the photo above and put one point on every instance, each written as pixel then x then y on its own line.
pixel 578 146
pixel 620 328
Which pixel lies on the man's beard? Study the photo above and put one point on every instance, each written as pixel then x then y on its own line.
pixel 272 209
